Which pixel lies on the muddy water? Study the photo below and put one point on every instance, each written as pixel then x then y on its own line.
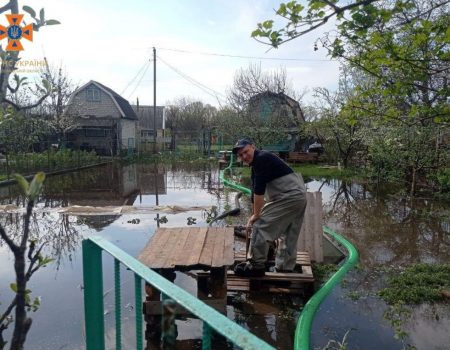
pixel 387 230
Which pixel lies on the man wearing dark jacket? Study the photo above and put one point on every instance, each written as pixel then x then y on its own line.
pixel 279 202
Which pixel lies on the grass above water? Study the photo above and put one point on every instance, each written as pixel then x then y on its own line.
pixel 417 284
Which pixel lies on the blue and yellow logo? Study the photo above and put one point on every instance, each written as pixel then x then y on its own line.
pixel 15 32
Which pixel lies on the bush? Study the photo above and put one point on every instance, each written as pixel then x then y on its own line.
pixel 443 179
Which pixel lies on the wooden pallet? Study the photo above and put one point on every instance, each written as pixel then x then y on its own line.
pixel 303 258
pixel 272 282
pixel 297 282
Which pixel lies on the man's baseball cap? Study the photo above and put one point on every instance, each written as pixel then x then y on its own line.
pixel 241 144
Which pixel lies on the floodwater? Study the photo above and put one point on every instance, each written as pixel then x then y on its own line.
pixel 388 231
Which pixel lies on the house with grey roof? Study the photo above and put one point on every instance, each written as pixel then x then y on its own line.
pixel 106 122
pixel 146 122
pixel 282 113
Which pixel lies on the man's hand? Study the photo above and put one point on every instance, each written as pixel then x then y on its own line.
pixel 258 204
pixel 252 220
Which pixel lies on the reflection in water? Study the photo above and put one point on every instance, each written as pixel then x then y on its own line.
pixel 57 235
pixel 395 231
pixel 387 230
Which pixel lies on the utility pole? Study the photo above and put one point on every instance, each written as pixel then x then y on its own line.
pixel 154 100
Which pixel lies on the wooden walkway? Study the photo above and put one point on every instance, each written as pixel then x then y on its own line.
pixel 186 248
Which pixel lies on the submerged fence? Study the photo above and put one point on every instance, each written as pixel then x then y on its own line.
pixel 213 321
pixel 47 161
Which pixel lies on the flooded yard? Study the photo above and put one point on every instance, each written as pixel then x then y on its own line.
pixel 388 231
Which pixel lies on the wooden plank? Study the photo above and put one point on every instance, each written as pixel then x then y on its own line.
pixel 179 251
pixel 155 254
pixel 188 259
pixel 165 256
pixel 310 238
pixel 218 247
pixel 198 240
pixel 273 276
pixel 310 224
pixel 183 247
pixel 228 249
pixel 208 248
pixel 318 234
pixel 307 270
pixel 145 253
pixel 303 258
pixel 239 282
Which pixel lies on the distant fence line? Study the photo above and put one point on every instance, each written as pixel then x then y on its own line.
pixel 46 161
pixel 193 142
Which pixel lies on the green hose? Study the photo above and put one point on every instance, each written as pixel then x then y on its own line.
pixel 304 324
pixel 232 184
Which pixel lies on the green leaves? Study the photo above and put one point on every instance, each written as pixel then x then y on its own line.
pixel 44 260
pixel 31 306
pixel 36 185
pixel 51 22
pixel 47 85
pixel 29 10
pixel 19 81
pixel 41 21
pixel 33 189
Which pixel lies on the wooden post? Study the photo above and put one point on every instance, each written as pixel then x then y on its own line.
pixel 311 233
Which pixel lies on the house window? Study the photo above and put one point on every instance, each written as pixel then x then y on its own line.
pixel 93 94
pixel 94 132
pixel 146 134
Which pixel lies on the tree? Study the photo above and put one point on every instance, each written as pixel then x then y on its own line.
pixel 258 105
pixel 402 47
pixel 252 81
pixel 402 44
pixel 188 118
pixel 340 129
pixel 22 248
pixel 53 107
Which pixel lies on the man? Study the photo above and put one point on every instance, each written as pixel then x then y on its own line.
pixel 279 202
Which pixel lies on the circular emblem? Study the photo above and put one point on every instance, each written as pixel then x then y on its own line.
pixel 14 32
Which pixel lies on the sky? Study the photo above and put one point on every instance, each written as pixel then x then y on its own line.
pixel 112 42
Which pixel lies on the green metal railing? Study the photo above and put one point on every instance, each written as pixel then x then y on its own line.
pixel 213 321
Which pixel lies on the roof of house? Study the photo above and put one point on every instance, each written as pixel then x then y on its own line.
pixel 145 116
pixel 122 104
pixel 282 97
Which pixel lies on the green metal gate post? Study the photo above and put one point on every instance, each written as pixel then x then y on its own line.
pixel 118 306
pixel 93 296
pixel 206 336
pixel 138 310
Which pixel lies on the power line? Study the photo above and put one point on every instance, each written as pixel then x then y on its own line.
pixel 191 80
pixel 244 57
pixel 137 74
pixel 140 80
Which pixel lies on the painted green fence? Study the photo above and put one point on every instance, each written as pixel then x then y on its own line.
pixel 213 321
